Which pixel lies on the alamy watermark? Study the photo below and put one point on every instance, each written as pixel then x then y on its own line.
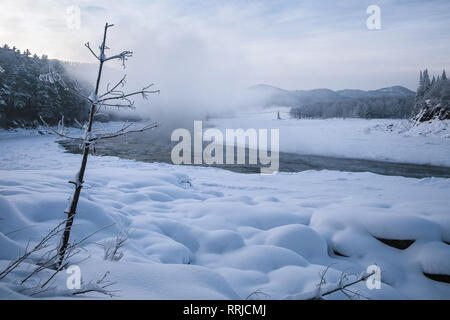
pixel 73 17
pixel 374 281
pixel 74 280
pixel 254 142
pixel 373 22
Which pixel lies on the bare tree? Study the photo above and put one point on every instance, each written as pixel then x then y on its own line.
pixel 113 97
pixel 45 261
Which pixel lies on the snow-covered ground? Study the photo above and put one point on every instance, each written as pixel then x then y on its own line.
pixel 377 139
pixel 206 233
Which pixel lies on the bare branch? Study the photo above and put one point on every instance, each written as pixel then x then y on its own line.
pixel 43 243
pixel 61 134
pixel 364 277
pixel 144 92
pixel 111 247
pixel 123 132
pixel 93 53
pixel 100 286
pixel 119 105
pixel 123 56
pixel 77 243
pixel 112 90
pixel 75 90
pixel 335 288
pixel 257 293
pixel 71 250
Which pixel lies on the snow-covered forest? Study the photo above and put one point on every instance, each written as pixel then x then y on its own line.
pixel 367 108
pixel 25 95
pixel 433 97
pixel 432 100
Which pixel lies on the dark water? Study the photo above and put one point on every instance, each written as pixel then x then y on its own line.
pixel 139 148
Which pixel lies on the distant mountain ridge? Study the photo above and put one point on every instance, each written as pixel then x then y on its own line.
pixel 276 96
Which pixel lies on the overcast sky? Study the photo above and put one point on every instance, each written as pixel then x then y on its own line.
pixel 219 44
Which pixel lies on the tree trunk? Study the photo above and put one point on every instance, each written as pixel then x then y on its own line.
pixel 79 178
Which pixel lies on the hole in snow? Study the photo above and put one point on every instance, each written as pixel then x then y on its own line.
pixel 399 244
pixel 438 277
pixel 340 254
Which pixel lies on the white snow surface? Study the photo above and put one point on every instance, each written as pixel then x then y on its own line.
pixel 207 233
pixel 392 140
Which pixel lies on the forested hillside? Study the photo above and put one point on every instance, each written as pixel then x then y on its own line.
pixel 368 108
pixel 392 102
pixel 433 97
pixel 27 90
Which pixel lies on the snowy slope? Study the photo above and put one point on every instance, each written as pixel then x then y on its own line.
pixel 205 233
pixel 378 139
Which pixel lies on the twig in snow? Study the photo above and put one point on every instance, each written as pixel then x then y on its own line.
pixel 257 293
pixel 41 245
pixel 100 286
pixel 339 286
pixel 112 247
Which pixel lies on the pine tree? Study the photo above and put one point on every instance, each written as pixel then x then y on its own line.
pixel 420 89
pixel 444 75
pixel 426 81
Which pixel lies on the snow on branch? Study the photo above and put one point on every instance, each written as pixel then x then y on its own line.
pixel 42 244
pixel 87 45
pixel 119 95
pixel 100 286
pixel 89 138
pixel 123 131
pixel 323 289
pixel 123 56
pixel 53 77
pixel 61 131
pixel 48 259
pixel 112 247
pixel 113 91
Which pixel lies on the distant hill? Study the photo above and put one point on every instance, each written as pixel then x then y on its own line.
pixel 395 91
pixel 270 95
pixel 390 102
pixel 318 95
